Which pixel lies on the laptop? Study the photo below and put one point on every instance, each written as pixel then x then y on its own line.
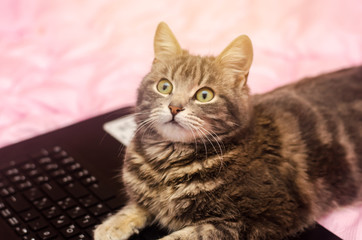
pixel 61 184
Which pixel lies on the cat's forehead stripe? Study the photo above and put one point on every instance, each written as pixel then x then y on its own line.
pixel 191 69
pixel 188 69
pixel 175 69
pixel 203 72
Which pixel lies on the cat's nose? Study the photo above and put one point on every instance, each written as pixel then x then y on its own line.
pixel 175 110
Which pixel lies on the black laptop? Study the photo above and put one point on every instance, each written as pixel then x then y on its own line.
pixel 60 185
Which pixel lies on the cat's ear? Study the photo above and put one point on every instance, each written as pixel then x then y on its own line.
pixel 165 43
pixel 236 58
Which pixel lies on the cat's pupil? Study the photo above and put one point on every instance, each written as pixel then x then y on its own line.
pixel 165 86
pixel 204 95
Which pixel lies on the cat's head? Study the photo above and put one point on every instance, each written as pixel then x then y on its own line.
pixel 187 98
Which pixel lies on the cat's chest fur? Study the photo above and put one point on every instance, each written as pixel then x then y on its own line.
pixel 176 185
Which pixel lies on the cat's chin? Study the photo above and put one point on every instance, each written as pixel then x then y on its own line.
pixel 174 132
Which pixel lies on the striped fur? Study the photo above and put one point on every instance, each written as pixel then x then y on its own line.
pixel 238 167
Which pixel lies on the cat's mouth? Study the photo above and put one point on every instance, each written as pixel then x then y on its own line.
pixel 174 123
pixel 175 131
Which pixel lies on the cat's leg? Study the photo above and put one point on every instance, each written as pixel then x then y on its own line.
pixel 120 226
pixel 218 231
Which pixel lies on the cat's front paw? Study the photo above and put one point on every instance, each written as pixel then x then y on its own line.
pixel 122 225
pixel 114 229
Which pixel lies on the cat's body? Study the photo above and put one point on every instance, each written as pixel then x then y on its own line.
pixel 260 167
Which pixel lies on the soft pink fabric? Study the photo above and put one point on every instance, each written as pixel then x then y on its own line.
pixel 66 60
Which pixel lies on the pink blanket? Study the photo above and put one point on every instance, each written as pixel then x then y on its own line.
pixel 66 60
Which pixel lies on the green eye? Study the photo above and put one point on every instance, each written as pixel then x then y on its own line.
pixel 204 95
pixel 164 86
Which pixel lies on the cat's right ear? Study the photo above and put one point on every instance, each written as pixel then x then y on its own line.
pixel 165 43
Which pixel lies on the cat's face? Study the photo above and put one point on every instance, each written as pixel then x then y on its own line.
pixel 188 98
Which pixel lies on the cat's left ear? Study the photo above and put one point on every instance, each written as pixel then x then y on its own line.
pixel 236 58
pixel 165 43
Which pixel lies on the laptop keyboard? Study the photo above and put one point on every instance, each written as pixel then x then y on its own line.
pixel 52 196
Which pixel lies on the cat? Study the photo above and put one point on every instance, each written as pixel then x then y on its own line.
pixel 211 161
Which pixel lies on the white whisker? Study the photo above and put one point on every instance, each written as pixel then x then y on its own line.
pixel 189 126
pixel 216 138
pixel 202 137
pixel 202 130
pixel 222 164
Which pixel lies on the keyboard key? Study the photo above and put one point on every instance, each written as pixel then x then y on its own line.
pixel 47 233
pixel 7 191
pixel 56 149
pixel 11 172
pixel 81 174
pixel 74 167
pixel 33 194
pixel 38 224
pixel 28 166
pixel 52 212
pixel 67 161
pixel 86 221
pixel 44 160
pixel 2 205
pixel 51 167
pixel 42 203
pixel 17 178
pixel 30 236
pixel 102 193
pixel 34 173
pixel 70 231
pixel 88 201
pixel 81 237
pixel 88 180
pixel 99 209
pixel 6 213
pixel 58 173
pixel 67 203
pixel 29 215
pixel 76 212
pixel 61 221
pixel 21 230
pixel 24 185
pixel 65 180
pixel 13 221
pixel 41 179
pixel 18 202
pixel 53 190
pixel 77 190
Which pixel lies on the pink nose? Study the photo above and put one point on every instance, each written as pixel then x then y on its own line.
pixel 175 110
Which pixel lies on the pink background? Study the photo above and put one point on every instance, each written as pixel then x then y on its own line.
pixel 62 61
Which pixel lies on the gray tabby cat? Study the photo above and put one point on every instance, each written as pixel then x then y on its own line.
pixel 208 161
